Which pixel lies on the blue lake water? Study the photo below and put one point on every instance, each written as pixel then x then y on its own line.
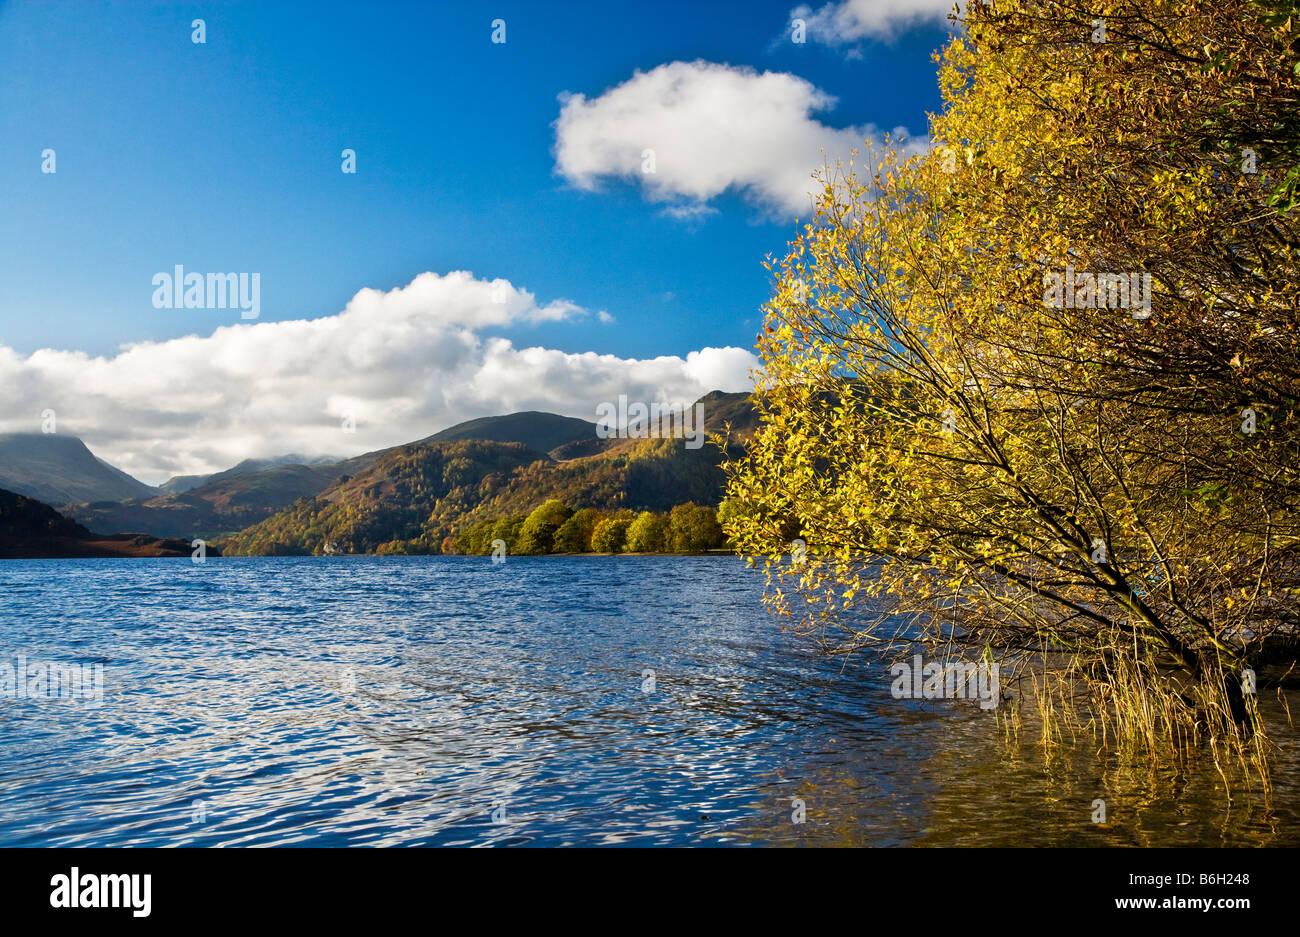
pixel 544 701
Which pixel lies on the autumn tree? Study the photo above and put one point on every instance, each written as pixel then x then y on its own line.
pixel 1037 388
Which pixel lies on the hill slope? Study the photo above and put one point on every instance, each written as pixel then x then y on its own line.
pixel 392 499
pixel 30 529
pixel 60 469
pixel 539 431
pixel 413 496
pixel 225 502
pixel 179 484
pixel 211 506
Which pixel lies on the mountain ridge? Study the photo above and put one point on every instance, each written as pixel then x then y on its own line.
pixel 553 456
pixel 413 497
pixel 59 469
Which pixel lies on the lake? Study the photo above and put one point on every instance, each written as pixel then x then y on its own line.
pixel 543 701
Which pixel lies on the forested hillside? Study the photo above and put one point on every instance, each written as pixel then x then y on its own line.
pixel 412 498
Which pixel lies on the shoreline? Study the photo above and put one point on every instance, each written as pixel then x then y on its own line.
pixel 96 549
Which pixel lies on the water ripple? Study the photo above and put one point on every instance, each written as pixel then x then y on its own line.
pixel 448 701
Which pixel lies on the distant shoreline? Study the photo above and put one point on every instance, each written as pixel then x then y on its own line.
pixel 100 547
pixel 103 550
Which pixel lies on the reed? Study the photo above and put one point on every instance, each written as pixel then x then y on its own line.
pixel 1128 704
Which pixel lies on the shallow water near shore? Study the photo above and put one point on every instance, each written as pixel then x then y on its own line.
pixel 543 701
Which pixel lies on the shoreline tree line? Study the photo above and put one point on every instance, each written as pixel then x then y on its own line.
pixel 554 528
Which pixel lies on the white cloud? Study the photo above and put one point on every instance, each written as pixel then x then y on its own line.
pixel 851 21
pixel 403 363
pixel 711 128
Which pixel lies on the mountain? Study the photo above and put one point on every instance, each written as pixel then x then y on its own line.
pixel 225 502
pixel 60 469
pixel 30 529
pixel 392 499
pixel 179 484
pixel 539 431
pixel 209 506
pixel 552 456
pixel 411 497
pixel 735 412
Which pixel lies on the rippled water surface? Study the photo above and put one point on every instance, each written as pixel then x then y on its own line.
pixel 445 700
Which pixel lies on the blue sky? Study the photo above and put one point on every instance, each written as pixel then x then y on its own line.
pixel 225 156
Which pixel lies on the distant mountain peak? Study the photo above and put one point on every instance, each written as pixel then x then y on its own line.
pixel 60 469
pixel 535 429
pixel 523 447
pixel 179 484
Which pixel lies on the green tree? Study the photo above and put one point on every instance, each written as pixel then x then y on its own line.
pixel 731 513
pixel 537 536
pixel 648 533
pixel 507 529
pixel 610 534
pixel 693 528
pixel 475 539
pixel 574 535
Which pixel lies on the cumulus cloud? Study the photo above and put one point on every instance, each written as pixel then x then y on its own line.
pixel 690 131
pixel 401 365
pixel 851 21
